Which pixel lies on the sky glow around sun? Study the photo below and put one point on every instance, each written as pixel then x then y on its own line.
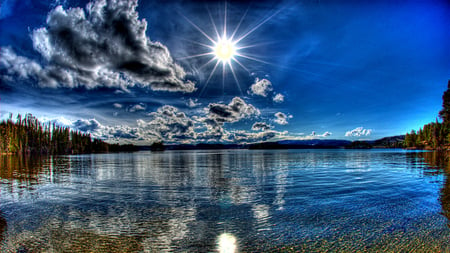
pixel 227 49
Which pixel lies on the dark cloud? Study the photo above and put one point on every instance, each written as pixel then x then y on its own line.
pixel 261 126
pixel 104 45
pixel 246 137
pixel 87 125
pixel 236 110
pixel 281 118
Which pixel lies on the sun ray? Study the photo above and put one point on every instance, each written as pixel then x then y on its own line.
pixel 257 26
pixel 198 28
pixel 196 42
pixel 195 56
pixel 239 24
pixel 240 64
pixel 213 23
pixel 209 78
pixel 224 35
pixel 204 65
pixel 235 78
pixel 255 45
pixel 252 58
pixel 223 77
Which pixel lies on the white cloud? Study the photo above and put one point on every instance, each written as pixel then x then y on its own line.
pixel 192 103
pixel 326 134
pixel 97 130
pixel 117 105
pixel 281 118
pixel 278 98
pixel 15 65
pixel 169 124
pixel 137 107
pixel 261 87
pixel 358 132
pixel 104 45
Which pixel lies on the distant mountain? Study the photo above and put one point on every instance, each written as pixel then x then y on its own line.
pixel 301 144
pixel 387 142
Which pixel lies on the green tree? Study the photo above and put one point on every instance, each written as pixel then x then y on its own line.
pixel 444 114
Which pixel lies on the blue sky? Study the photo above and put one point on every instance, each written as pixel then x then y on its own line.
pixel 138 72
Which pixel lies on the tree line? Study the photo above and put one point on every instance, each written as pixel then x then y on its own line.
pixel 434 135
pixel 29 136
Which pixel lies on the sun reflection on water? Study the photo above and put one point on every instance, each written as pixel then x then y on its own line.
pixel 227 243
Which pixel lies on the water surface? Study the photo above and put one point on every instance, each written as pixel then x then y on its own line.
pixel 254 200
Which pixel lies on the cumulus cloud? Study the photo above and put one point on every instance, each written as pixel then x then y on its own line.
pixel 168 123
pixel 261 87
pixel 212 132
pixel 236 110
pixel 358 132
pixel 281 118
pixel 261 126
pixel 19 66
pixel 97 130
pixel 278 98
pixel 103 45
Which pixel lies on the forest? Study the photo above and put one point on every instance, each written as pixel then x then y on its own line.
pixel 29 136
pixel 434 135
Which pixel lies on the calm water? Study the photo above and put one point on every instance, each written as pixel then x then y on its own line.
pixel 203 201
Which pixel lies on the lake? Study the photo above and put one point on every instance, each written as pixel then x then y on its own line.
pixel 218 200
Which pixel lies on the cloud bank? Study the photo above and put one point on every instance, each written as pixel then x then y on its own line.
pixel 103 45
pixel 171 125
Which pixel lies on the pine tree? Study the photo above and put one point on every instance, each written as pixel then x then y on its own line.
pixel 444 114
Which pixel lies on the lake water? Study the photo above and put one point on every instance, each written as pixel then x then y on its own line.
pixel 248 200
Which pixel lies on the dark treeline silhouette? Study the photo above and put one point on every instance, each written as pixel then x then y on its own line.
pixel 435 135
pixel 29 136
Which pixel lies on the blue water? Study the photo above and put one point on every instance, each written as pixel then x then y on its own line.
pixel 247 200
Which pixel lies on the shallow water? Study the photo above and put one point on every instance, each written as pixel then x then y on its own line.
pixel 203 201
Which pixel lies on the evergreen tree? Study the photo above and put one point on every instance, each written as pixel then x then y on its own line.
pixel 444 114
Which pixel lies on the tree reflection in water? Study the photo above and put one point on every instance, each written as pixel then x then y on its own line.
pixel 439 162
pixel 3 227
pixel 21 174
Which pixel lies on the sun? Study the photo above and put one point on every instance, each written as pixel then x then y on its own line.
pixel 224 50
